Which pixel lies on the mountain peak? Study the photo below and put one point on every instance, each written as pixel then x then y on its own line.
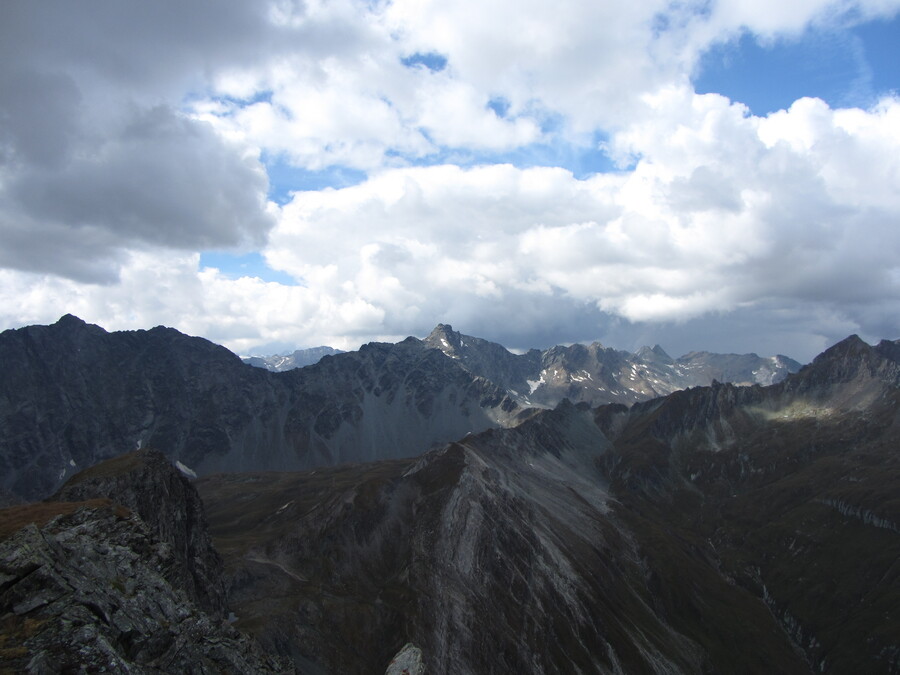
pixel 70 320
pixel 852 347
pixel 442 330
pixel 443 337
pixel 72 323
pixel 654 354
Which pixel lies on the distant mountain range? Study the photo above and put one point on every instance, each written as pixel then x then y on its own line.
pixel 298 359
pixel 715 529
pixel 596 374
pixel 74 394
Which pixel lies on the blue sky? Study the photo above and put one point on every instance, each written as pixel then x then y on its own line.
pixel 703 175
pixel 848 67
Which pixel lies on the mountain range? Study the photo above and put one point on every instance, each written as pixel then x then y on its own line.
pixel 296 359
pixel 723 528
pixel 74 394
pixel 720 529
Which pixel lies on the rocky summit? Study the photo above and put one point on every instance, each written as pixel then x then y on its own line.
pixel 596 374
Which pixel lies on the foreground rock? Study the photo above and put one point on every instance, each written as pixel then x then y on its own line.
pixel 88 592
pixel 148 485
pixel 120 577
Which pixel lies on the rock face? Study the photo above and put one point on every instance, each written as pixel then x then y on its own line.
pixel 73 394
pixel 89 586
pixel 149 486
pixel 718 529
pixel 300 358
pixel 596 374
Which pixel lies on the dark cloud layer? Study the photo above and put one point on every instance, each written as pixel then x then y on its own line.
pixel 93 160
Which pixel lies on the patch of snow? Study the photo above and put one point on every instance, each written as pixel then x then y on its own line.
pixel 285 506
pixel 139 444
pixel 445 343
pixel 72 463
pixel 62 474
pixel 534 384
pixel 187 471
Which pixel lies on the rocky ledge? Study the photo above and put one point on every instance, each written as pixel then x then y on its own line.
pixel 113 583
pixel 88 592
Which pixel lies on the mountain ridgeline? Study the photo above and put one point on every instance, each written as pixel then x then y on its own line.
pixel 74 394
pixel 596 374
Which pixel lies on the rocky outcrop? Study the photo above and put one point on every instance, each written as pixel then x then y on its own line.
pixel 148 485
pixel 90 591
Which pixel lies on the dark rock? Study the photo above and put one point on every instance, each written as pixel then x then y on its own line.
pixel 87 592
pixel 146 483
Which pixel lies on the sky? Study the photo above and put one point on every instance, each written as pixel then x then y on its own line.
pixel 717 175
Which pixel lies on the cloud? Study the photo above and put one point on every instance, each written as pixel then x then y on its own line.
pixel 93 160
pixel 131 138
pixel 723 211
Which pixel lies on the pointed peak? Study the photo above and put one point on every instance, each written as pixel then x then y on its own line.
pixel 852 344
pixel 654 353
pixel 70 320
pixel 443 337
pixel 443 329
